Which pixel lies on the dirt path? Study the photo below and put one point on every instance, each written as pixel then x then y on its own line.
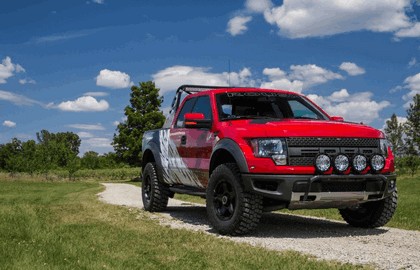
pixel 386 248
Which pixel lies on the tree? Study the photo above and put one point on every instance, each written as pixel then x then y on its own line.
pixel 412 161
pixel 29 153
pixel 143 114
pixel 90 160
pixel 14 158
pixel 394 132
pixel 413 126
pixel 73 165
pixel 60 147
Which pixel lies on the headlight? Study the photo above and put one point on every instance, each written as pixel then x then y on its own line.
pixel 341 163
pixel 322 163
pixel 377 162
pixel 359 163
pixel 384 144
pixel 272 148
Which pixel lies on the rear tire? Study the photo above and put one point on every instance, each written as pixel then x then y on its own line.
pixel 230 209
pixel 371 214
pixel 154 193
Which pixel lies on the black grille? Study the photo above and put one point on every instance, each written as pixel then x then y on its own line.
pixel 334 142
pixel 303 151
pixel 343 186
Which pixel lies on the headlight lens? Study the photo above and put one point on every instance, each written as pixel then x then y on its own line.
pixel 341 163
pixel 272 148
pixel 359 163
pixel 377 162
pixel 322 162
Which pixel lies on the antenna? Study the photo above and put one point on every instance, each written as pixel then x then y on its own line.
pixel 229 72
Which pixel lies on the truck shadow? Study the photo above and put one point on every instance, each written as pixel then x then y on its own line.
pixel 277 225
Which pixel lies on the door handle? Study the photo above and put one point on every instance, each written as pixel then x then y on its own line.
pixel 184 139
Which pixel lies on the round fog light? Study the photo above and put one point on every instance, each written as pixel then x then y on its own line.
pixel 377 162
pixel 322 163
pixel 341 163
pixel 359 163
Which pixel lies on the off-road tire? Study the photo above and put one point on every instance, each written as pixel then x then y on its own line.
pixel 371 214
pixel 230 209
pixel 154 193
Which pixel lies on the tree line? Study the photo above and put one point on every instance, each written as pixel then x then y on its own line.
pixel 51 151
pixel 405 138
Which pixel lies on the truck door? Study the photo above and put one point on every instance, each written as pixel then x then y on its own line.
pixel 193 145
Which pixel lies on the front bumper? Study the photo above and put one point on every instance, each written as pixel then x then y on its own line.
pixel 321 191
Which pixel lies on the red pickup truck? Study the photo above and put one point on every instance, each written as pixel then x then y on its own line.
pixel 249 150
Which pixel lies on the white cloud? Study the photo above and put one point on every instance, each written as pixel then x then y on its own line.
pixel 411 83
pixel 98 142
pixel 412 63
pixel 96 94
pixel 358 107
pixel 258 6
pixel 299 78
pixel 412 31
pixel 58 37
pixel 9 123
pixel 27 81
pixel 172 77
pixel 116 123
pixel 8 69
pixel 18 99
pixel 83 104
pixel 87 126
pixel 98 1
pixel 313 74
pixel 352 69
pixel 113 79
pixel 278 79
pixel 237 25
pixel 84 134
pixel 306 18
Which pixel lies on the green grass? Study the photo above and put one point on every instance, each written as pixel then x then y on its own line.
pixel 62 225
pixel 97 175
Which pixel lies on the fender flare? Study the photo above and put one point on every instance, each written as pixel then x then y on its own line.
pixel 233 148
pixel 155 149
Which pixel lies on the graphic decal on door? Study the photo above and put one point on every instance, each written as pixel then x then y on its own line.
pixel 175 170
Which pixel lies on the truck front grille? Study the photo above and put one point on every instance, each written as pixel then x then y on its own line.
pixel 303 151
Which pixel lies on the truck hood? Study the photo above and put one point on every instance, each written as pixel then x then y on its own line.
pixel 298 128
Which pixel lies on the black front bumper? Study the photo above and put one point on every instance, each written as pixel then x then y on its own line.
pixel 320 191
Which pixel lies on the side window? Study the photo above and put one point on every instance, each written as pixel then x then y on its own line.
pixel 203 106
pixel 301 111
pixel 185 109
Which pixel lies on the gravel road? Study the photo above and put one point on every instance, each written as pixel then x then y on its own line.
pixel 385 248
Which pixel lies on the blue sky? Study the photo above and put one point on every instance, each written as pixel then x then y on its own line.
pixel 68 65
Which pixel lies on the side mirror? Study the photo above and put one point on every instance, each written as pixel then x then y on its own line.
pixel 196 120
pixel 337 118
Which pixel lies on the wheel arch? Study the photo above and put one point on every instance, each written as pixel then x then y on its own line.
pixel 228 151
pixel 151 154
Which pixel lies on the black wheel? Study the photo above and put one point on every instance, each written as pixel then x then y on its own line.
pixel 154 193
pixel 230 209
pixel 371 214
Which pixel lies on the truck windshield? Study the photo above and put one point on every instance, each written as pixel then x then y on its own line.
pixel 265 105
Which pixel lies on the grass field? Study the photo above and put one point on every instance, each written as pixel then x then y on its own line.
pixel 97 175
pixel 62 225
